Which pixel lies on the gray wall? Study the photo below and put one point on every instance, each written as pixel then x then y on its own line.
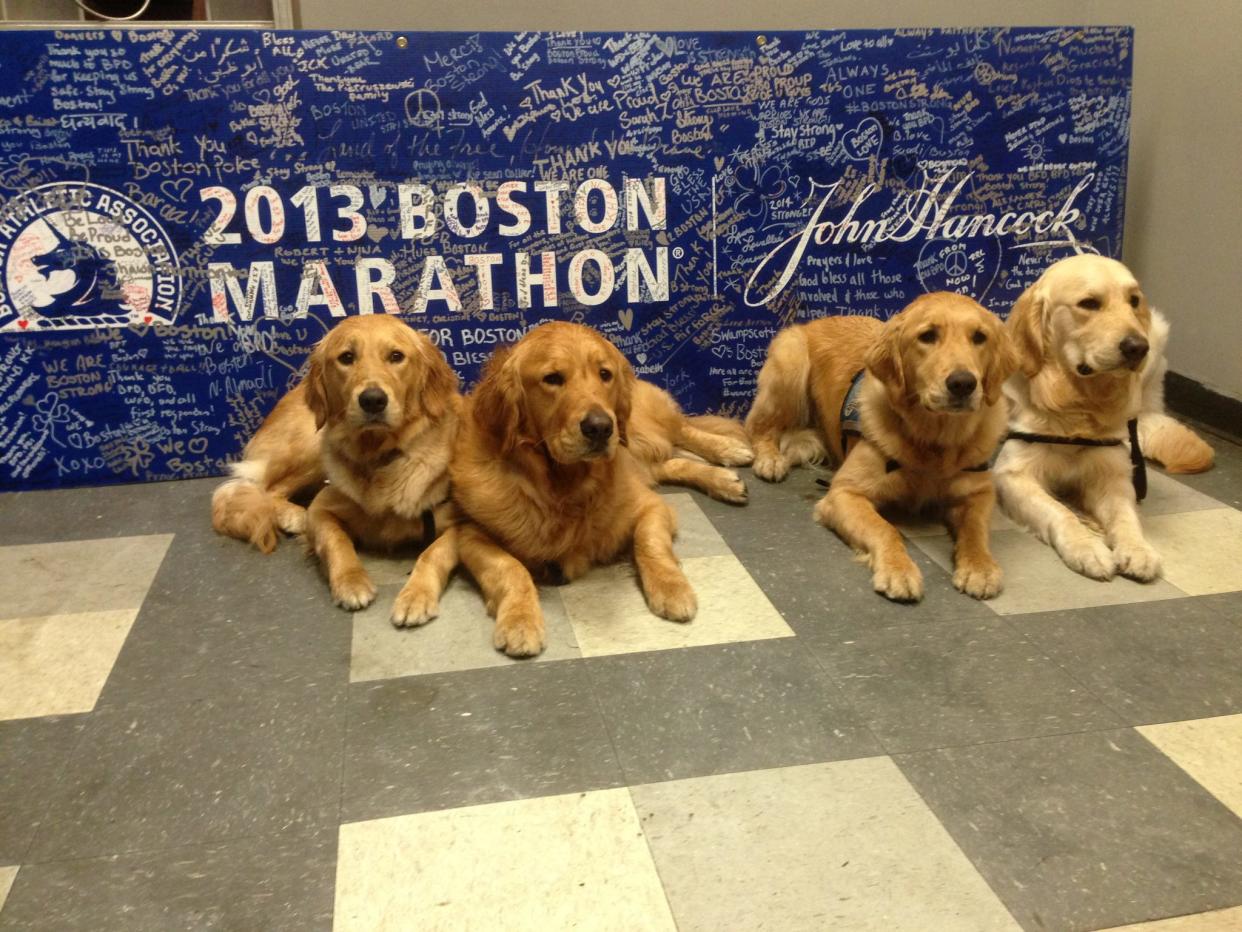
pixel 1185 191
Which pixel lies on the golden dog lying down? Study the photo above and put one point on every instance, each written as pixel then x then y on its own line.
pixel 1092 356
pixel 376 415
pixel 931 415
pixel 553 469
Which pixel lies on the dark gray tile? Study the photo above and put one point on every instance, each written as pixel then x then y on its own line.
pixel 723 709
pixel 268 884
pixel 1153 662
pixel 1224 480
pixel 461 739
pixel 958 683
pixel 34 753
pixel 1084 831
pixel 221 619
pixel 811 576
pixel 106 511
pixel 195 773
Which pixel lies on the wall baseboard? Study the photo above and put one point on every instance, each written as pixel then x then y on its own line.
pixel 1186 396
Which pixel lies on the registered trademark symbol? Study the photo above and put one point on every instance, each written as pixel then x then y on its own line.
pixel 678 252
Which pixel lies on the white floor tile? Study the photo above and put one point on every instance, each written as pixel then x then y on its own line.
pixel 7 875
pixel 1210 750
pixel 1219 920
pixel 610 616
pixel 846 845
pixel 1037 581
pixel 57 664
pixel 577 861
pixel 459 639
pixel 696 535
pixel 1202 550
pixel 78 576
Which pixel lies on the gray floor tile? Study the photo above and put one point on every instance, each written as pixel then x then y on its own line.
pixel 1224 480
pixel 221 619
pixel 479 736
pixel 720 709
pixel 34 754
pixel 958 683
pixel 267 884
pixel 1157 662
pixel 1084 831
pixel 196 773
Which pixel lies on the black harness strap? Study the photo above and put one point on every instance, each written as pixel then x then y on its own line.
pixel 428 518
pixel 1138 465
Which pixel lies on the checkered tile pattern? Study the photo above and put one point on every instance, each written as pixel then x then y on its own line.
pixel 193 737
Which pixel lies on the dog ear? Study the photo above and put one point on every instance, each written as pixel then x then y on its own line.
pixel 439 382
pixel 316 386
pixel 1002 363
pixel 1026 329
pixel 626 380
pixel 498 402
pixel 884 360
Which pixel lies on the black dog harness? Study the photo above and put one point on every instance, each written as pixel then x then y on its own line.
pixel 851 426
pixel 1138 466
pixel 428 517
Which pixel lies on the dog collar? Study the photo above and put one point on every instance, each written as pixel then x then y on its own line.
pixel 1138 466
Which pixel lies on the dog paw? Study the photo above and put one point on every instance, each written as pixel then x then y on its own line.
pixel 823 512
pixel 898 578
pixel 673 598
pixel 291 519
pixel 979 579
pixel 738 454
pixel 415 605
pixel 519 631
pixel 1090 556
pixel 771 468
pixel 353 590
pixel 1138 561
pixel 730 488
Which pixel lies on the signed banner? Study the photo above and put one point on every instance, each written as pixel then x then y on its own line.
pixel 184 213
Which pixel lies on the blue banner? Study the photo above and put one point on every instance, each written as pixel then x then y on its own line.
pixel 184 213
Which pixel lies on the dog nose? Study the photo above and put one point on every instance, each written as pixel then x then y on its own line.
pixel 1134 348
pixel 596 426
pixel 961 384
pixel 373 400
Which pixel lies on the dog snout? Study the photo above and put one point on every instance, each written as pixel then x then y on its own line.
pixel 373 400
pixel 961 384
pixel 596 426
pixel 1134 348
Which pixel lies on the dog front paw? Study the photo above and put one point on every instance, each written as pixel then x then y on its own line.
pixel 899 578
pixel 1137 560
pixel 519 630
pixel 979 578
pixel 737 454
pixel 416 604
pixel 729 487
pixel 1088 555
pixel 353 590
pixel 672 598
pixel 771 467
pixel 291 518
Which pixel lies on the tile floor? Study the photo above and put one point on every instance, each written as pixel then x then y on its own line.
pixel 193 737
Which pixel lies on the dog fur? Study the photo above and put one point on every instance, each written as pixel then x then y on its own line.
pixel 908 415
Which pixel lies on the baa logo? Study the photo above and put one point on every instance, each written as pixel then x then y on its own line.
pixel 79 255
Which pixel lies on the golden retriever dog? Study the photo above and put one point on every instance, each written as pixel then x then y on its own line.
pixel 930 415
pixel 550 474
pixel 376 415
pixel 1092 358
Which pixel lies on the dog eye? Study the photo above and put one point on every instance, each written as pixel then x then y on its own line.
pixel 396 356
pixel 554 378
pixel 605 375
pixel 979 338
pixel 928 336
pixel 346 358
pixel 1134 300
pixel 1089 304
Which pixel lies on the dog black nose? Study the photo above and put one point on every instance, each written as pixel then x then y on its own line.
pixel 596 426
pixel 373 400
pixel 1134 348
pixel 961 384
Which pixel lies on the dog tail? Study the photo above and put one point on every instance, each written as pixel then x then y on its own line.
pixel 242 508
pixel 1173 445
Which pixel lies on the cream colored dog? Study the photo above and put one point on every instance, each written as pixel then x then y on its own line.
pixel 1092 357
